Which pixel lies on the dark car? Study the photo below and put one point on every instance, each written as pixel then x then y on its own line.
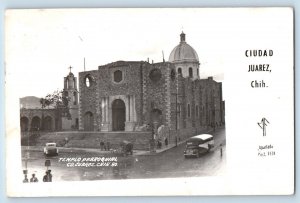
pixel 126 147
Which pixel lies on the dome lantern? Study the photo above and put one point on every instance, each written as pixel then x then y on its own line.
pixel 182 37
pixel 185 59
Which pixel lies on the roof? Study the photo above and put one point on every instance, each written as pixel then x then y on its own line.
pixel 203 136
pixel 183 52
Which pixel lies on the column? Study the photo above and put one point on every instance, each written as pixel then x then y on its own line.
pixel 107 110
pixel 105 124
pixel 133 107
pixel 103 109
pixel 130 122
pixel 127 108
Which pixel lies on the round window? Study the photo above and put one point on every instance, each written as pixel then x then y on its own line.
pixel 155 75
pixel 118 76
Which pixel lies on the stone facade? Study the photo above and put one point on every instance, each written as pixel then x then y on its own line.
pixel 137 96
pixel 150 94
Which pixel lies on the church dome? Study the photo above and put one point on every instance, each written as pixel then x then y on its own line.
pixel 183 52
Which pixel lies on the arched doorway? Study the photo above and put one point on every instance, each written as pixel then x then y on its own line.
pixel 24 124
pixel 35 123
pixel 88 121
pixel 118 115
pixel 47 122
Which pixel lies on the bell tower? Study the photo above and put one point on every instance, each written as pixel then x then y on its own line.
pixel 70 94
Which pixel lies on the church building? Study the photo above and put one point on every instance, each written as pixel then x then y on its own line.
pixel 133 95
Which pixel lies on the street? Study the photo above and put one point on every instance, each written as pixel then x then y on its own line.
pixel 170 163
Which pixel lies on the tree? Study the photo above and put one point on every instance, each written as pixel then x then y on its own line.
pixel 56 99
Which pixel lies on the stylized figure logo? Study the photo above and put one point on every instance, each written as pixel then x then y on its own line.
pixel 263 125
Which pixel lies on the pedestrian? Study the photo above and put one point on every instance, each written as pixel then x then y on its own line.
pixel 25 179
pixel 158 144
pixel 108 145
pixel 33 179
pixel 221 150
pixel 49 176
pixel 166 141
pixel 101 145
pixel 105 148
pixel 45 178
pixel 66 140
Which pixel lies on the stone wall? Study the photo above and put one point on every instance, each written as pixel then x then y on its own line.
pixel 88 99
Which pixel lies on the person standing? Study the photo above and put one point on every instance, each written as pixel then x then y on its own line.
pixel 108 145
pixel 25 179
pixel 101 145
pixel 221 150
pixel 45 178
pixel 49 176
pixel 33 179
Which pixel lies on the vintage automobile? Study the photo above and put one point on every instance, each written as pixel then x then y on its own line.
pixel 51 149
pixel 126 147
pixel 198 144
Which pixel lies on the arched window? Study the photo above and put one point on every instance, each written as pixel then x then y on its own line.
pixel 198 71
pixel 179 71
pixel 179 110
pixel 67 83
pixel 190 72
pixel 88 81
pixel 118 76
pixel 189 110
pixel 75 98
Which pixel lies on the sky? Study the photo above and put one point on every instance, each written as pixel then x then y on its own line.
pixel 41 45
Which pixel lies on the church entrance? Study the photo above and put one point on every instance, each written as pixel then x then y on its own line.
pixel 118 115
pixel 88 121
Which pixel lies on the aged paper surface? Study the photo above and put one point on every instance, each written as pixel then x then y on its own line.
pixel 104 102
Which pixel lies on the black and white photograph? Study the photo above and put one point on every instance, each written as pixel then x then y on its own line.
pixel 99 99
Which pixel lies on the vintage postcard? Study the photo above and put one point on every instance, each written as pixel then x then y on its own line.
pixel 149 101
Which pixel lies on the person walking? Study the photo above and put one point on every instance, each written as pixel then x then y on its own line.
pixel 221 150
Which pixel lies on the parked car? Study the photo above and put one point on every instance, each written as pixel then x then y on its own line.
pixel 126 147
pixel 51 149
pixel 198 144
